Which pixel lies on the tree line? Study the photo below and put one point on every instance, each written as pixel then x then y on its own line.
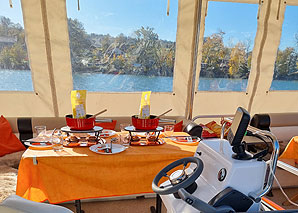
pixel 219 61
pixel 13 50
pixel 143 53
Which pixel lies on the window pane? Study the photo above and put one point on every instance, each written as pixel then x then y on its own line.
pixel 286 65
pixel 15 71
pixel 227 48
pixel 122 46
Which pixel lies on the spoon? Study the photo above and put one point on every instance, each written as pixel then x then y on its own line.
pixel 98 113
pixel 163 113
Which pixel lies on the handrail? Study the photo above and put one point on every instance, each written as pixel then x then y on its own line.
pixel 222 132
pixel 211 116
pixel 104 120
pixel 272 162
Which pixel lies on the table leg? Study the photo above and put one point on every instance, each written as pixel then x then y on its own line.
pixel 158 204
pixel 78 206
pixel 157 208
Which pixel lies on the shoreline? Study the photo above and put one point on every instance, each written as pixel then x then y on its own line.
pixel 129 74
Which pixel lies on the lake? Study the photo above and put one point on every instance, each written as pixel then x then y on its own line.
pixel 20 80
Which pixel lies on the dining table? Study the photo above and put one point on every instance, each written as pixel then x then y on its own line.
pixel 77 173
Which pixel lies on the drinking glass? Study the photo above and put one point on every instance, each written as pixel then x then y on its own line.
pixel 124 135
pixel 57 142
pixel 168 130
pixel 40 131
pixel 122 127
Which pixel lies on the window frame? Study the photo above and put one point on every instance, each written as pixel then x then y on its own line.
pixel 22 101
pixel 207 102
pixel 175 100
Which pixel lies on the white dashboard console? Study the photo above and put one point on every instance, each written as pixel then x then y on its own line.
pixel 221 172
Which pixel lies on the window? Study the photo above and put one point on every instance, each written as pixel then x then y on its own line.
pixel 286 65
pixel 122 46
pixel 230 30
pixel 15 74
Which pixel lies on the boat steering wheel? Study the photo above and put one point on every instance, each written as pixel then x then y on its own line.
pixel 180 179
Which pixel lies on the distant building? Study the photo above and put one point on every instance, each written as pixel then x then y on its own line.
pixel 7 41
pixel 116 51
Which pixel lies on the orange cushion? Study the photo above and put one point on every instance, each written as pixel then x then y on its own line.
pixel 9 143
pixel 178 126
pixel 214 127
pixel 107 125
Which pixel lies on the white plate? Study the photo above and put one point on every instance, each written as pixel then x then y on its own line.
pixel 107 133
pixel 39 142
pixel 40 145
pixel 116 148
pixel 67 129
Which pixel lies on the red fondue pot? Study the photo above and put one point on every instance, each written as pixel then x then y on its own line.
pixel 80 123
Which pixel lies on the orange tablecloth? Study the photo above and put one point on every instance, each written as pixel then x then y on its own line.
pixel 291 151
pixel 78 173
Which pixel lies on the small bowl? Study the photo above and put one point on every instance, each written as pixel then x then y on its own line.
pixel 145 124
pixel 80 123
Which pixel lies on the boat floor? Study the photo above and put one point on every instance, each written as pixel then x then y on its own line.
pixel 142 205
pixel 139 205
pixel 280 199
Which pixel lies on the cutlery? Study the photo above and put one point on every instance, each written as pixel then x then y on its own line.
pixel 107 149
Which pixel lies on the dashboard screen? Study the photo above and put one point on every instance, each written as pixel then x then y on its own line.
pixel 238 127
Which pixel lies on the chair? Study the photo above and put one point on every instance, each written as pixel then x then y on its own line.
pixel 18 204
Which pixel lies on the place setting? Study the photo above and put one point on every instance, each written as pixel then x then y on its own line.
pixel 116 144
pixel 44 139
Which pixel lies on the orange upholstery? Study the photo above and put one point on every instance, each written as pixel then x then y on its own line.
pixel 291 151
pixel 9 143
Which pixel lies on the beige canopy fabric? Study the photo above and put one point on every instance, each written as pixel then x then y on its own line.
pixel 47 40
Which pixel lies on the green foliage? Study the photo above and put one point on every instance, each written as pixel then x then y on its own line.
pixel 142 54
pixel 219 61
pixel 78 41
pixel 214 57
pixel 13 51
pixel 286 64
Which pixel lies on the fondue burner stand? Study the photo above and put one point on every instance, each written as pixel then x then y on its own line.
pixel 96 130
pixel 132 129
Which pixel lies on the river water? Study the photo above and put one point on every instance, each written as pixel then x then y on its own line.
pixel 20 80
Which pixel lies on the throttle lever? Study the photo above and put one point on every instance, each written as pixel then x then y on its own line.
pixel 201 205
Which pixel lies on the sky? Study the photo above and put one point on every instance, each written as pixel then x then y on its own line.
pixel 238 21
pixel 125 16
pixel 241 23
pixel 290 27
pixel 15 14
